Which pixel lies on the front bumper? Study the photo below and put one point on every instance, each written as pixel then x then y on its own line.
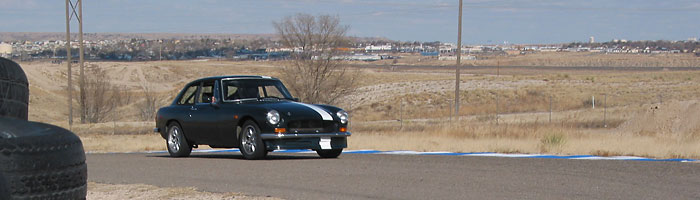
pixel 304 141
pixel 267 136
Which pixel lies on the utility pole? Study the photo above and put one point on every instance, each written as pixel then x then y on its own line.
pixel 68 59
pixel 459 60
pixel 81 84
pixel 70 12
pixel 160 52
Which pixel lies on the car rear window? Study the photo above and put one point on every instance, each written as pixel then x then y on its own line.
pixel 188 96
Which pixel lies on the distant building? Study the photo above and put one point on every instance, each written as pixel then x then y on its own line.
pixel 372 48
pixel 591 39
pixel 5 50
pixel 692 39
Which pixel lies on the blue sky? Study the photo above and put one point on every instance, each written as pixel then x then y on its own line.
pixel 485 21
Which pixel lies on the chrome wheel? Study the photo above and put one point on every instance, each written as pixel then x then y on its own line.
pixel 251 145
pixel 174 139
pixel 248 141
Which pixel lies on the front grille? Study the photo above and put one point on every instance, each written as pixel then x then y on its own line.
pixel 312 126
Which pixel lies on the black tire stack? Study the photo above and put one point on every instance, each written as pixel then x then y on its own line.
pixel 37 161
pixel 14 90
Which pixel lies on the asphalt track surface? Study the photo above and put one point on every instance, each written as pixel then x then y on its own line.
pixel 372 176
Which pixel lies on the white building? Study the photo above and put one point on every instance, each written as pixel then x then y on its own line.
pixel 386 47
pixel 5 50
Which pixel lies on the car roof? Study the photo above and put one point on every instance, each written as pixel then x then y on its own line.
pixel 234 76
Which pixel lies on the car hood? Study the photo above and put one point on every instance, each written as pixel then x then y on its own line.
pixel 301 111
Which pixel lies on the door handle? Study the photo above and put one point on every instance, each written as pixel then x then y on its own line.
pixel 193 108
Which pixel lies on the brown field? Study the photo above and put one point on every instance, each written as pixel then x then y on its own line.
pixel 647 113
pixel 566 59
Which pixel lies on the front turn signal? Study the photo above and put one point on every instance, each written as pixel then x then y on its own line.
pixel 343 129
pixel 280 130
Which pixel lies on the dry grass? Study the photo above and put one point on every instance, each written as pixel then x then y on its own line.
pixel 122 143
pixel 523 139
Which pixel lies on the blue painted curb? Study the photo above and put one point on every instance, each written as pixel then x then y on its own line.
pixel 482 154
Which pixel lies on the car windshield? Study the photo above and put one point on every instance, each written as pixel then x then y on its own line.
pixel 254 89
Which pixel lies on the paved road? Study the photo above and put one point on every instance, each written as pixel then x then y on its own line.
pixel 361 176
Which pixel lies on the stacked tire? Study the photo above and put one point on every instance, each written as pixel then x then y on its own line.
pixel 14 90
pixel 37 160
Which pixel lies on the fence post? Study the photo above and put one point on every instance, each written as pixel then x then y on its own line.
pixel 497 111
pixel 593 100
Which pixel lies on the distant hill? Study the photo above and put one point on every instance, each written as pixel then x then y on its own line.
pixel 38 36
pixel 42 36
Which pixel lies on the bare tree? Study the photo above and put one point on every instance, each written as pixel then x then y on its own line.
pixel 314 75
pixel 147 108
pixel 101 96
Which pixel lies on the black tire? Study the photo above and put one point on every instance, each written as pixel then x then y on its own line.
pixel 14 90
pixel 251 145
pixel 331 153
pixel 176 142
pixel 41 161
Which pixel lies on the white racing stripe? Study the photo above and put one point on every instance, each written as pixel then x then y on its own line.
pixel 320 111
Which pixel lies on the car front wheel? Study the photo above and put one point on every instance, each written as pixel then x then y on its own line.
pixel 251 145
pixel 331 153
pixel 177 144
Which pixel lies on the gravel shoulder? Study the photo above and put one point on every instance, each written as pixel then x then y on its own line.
pixel 149 192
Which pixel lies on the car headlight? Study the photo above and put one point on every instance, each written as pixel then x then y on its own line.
pixel 273 117
pixel 343 116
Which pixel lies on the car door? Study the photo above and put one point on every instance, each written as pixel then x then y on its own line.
pixel 228 93
pixel 205 117
pixel 184 106
pixel 225 117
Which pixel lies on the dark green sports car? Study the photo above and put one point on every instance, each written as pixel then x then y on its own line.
pixel 253 113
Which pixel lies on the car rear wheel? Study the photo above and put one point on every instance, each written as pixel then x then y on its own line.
pixel 251 145
pixel 331 153
pixel 176 142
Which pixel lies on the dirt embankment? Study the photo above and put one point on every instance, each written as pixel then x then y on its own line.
pixel 676 118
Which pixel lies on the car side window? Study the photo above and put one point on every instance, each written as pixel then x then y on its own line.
pixel 206 93
pixel 188 97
